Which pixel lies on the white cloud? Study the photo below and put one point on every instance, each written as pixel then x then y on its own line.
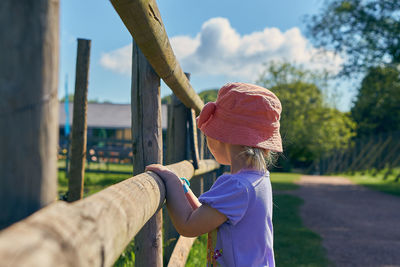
pixel 119 60
pixel 219 50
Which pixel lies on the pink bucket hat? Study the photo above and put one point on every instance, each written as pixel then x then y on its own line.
pixel 244 114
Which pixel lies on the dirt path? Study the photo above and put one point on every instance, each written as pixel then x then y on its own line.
pixel 359 227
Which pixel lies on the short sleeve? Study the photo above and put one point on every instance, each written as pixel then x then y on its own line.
pixel 229 196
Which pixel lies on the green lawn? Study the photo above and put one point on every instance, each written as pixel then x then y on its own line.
pixel 284 181
pixel 95 182
pixel 295 245
pixel 378 180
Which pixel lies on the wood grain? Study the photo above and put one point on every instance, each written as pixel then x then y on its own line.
pixel 76 175
pixel 89 232
pixel 181 251
pixel 28 107
pixel 147 138
pixel 143 20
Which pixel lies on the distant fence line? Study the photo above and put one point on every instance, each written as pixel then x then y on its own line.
pixel 376 152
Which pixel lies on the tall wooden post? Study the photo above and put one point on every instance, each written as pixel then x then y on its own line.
pixel 147 144
pixel 28 107
pixel 177 150
pixel 79 125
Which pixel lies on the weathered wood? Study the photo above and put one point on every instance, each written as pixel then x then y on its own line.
pixel 79 125
pixel 194 148
pixel 177 150
pixel 147 138
pixel 28 107
pixel 89 232
pixel 205 166
pixel 143 20
pixel 181 251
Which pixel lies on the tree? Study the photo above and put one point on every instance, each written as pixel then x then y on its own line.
pixel 209 95
pixel 366 32
pixel 206 96
pixel 71 100
pixel 377 106
pixel 309 127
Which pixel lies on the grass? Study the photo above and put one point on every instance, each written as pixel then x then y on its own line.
pixel 198 253
pixel 284 181
pixel 294 244
pixel 377 180
pixel 94 182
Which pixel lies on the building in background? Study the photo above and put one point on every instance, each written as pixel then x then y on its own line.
pixel 108 130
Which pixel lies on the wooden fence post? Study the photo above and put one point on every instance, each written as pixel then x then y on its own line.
pixel 79 125
pixel 177 150
pixel 147 149
pixel 28 107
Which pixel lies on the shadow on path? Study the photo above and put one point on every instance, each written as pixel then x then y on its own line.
pixel 359 227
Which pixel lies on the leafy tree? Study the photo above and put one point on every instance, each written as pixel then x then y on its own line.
pixel 206 96
pixel 166 99
pixel 377 106
pixel 70 98
pixel 367 32
pixel 209 95
pixel 309 127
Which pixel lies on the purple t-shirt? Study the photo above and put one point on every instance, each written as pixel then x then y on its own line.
pixel 246 238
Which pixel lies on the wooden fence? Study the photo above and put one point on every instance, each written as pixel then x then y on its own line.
pixel 94 231
pixel 376 152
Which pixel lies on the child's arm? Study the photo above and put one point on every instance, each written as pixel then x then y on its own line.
pixel 187 220
pixel 193 200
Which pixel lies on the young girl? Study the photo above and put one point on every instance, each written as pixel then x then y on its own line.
pixel 242 128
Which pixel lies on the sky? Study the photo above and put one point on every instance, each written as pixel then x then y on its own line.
pixel 216 41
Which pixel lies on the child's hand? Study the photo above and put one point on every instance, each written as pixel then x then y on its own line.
pixel 165 174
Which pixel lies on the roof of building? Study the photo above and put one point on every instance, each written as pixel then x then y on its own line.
pixel 105 115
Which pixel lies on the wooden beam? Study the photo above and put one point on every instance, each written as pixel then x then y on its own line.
pixel 194 148
pixel 147 138
pixel 143 20
pixel 79 124
pixel 89 232
pixel 181 251
pixel 28 107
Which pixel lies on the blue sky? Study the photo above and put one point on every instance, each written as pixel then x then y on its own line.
pixel 216 41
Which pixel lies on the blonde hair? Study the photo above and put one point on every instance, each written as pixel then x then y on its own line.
pixel 258 158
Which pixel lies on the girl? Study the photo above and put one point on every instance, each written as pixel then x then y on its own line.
pixel 242 128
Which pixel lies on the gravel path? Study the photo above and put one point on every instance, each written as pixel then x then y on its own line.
pixel 359 227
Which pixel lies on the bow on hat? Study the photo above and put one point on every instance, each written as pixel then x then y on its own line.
pixel 206 114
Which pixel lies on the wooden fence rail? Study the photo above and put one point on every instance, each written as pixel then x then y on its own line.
pixel 93 231
pixel 143 20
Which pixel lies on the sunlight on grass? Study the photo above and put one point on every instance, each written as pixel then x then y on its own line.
pixel 284 181
pixel 127 258
pixel 381 181
pixel 94 182
pixel 198 253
